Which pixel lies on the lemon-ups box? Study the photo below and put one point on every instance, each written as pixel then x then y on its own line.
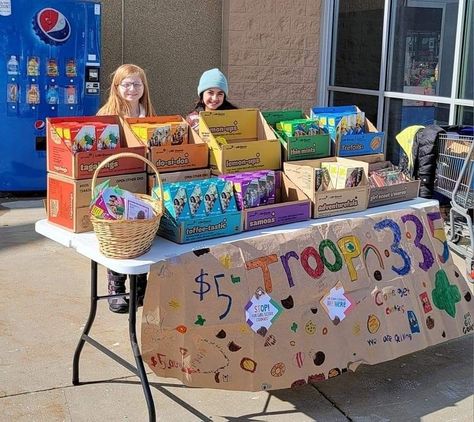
pixel 350 139
pixel 333 201
pixel 191 155
pixel 68 200
pixel 63 160
pixel 291 206
pixel 298 147
pixel 250 143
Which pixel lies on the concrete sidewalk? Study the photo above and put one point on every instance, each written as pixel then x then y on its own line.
pixel 43 307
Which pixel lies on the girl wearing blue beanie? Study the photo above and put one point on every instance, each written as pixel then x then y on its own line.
pixel 212 91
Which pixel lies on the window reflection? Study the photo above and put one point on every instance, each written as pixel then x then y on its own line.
pixel 367 103
pixel 422 47
pixel 467 65
pixel 401 116
pixel 358 46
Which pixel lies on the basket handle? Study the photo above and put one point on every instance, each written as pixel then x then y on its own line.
pixel 123 155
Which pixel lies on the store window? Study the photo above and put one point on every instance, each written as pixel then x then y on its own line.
pixel 358 40
pixel 464 114
pixel 402 62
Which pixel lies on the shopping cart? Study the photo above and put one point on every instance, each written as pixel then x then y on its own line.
pixel 455 179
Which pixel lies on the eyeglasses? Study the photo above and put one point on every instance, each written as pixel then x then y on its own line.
pixel 128 85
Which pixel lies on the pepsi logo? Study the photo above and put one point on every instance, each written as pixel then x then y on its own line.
pixel 51 26
pixel 39 124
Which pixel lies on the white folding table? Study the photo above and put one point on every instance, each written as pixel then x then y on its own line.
pixel 87 245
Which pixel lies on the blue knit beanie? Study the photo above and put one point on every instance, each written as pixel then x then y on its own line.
pixel 213 78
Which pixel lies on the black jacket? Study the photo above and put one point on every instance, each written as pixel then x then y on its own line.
pixel 426 147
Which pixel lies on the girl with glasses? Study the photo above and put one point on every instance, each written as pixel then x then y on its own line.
pixel 129 97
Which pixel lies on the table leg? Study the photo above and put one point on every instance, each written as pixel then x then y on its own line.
pixel 136 348
pixel 87 327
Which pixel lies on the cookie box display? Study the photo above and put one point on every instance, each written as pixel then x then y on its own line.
pixel 76 145
pixel 290 206
pixel 239 140
pixel 68 200
pixel 305 144
pixel 176 147
pixel 351 132
pixel 388 185
pixel 307 176
pixel 199 209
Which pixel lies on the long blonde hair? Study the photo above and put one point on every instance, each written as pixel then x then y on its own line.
pixel 115 104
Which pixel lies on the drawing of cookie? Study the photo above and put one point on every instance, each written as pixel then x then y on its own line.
pixel 373 324
pixel 248 365
pixel 278 369
pixel 310 327
pixel 233 347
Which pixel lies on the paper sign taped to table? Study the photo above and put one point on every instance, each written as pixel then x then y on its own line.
pixel 297 307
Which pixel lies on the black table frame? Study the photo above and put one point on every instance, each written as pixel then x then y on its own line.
pixel 139 369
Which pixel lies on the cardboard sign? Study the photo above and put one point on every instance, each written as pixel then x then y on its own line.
pixel 292 308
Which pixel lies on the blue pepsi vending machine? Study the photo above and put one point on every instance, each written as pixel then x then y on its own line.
pixel 49 67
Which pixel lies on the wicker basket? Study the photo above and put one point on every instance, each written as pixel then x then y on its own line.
pixel 123 239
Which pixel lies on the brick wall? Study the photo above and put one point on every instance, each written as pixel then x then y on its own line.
pixel 270 52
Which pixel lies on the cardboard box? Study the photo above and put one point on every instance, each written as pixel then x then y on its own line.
pixel 370 142
pixel 68 200
pixel 292 206
pixel 391 194
pixel 195 229
pixel 330 202
pixel 251 142
pixel 178 176
pixel 193 155
pixel 82 165
pixel 300 147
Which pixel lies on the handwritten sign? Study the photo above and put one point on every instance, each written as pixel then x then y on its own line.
pixel 284 310
pixel 261 311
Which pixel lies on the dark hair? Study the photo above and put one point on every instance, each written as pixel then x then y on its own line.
pixel 226 105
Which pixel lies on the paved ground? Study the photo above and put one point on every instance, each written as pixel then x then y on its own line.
pixel 43 305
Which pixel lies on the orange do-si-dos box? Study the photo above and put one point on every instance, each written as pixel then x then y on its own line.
pixel 62 133
pixel 189 152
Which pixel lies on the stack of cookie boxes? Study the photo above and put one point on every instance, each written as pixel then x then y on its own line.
pixel 245 151
pixel 75 147
pixel 354 136
pixel 182 159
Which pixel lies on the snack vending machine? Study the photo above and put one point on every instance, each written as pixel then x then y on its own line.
pixel 49 67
